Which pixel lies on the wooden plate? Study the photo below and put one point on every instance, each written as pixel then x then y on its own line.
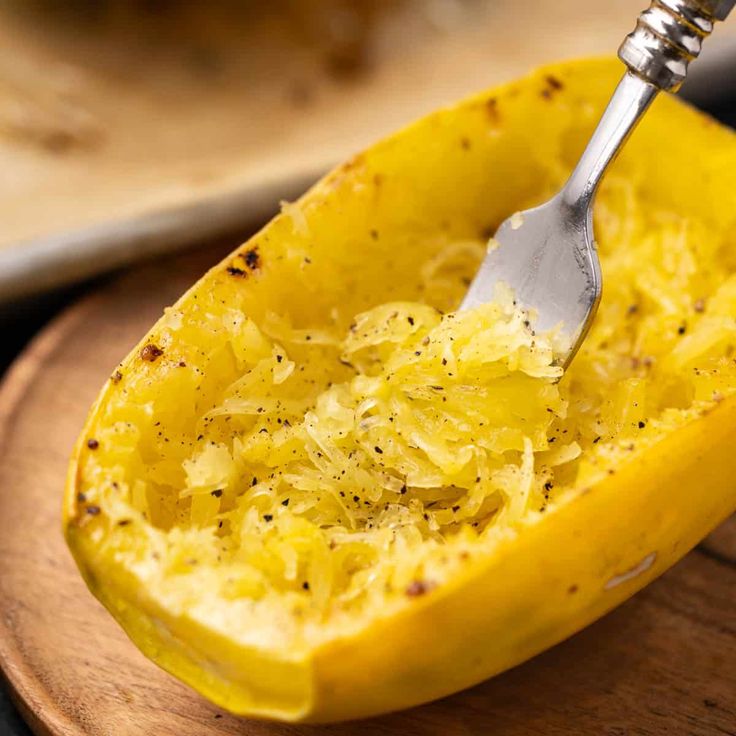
pixel 663 663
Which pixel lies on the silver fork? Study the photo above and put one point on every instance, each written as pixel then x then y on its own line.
pixel 547 254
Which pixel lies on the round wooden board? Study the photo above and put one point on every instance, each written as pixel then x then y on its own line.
pixel 664 663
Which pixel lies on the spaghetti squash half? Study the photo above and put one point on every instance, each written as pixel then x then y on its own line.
pixel 315 492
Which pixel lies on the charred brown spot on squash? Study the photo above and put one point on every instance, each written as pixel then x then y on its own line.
pixel 352 163
pixel 418 588
pixel 552 85
pixel 252 259
pixel 151 353
pixel 341 172
pixel 116 377
pixel 85 511
pixel 245 263
pixel 492 110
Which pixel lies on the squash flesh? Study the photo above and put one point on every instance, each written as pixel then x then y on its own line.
pixel 660 354
pixel 313 505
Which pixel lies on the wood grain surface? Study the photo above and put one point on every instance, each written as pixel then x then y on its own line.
pixel 663 663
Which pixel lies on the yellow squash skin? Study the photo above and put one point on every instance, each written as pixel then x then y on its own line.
pixel 462 169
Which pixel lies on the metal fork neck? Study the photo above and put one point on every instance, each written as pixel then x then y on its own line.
pixel 629 102
pixel 667 37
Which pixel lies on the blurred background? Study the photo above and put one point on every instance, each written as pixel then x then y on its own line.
pixel 133 128
pixel 130 127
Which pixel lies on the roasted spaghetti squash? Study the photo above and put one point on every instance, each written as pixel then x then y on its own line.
pixel 316 492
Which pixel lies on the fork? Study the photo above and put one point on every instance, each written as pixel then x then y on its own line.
pixel 547 254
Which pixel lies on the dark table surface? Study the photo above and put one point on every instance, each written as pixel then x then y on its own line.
pixel 20 322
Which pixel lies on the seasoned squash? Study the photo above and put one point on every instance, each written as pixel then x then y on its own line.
pixel 316 492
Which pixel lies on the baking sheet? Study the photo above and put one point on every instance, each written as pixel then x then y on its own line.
pixel 122 136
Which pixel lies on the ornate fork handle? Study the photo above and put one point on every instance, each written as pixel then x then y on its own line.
pixel 668 36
